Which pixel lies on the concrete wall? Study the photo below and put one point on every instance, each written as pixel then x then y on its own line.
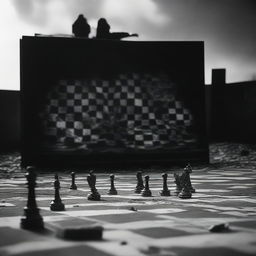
pixel 9 120
pixel 232 110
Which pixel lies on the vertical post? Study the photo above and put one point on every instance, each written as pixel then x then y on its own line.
pixel 218 121
pixel 219 77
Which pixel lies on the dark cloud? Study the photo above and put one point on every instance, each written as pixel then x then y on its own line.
pixel 226 26
pixel 32 11
pixel 90 8
pixel 24 7
pixel 225 22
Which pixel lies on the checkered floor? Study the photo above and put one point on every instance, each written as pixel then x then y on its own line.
pixel 159 225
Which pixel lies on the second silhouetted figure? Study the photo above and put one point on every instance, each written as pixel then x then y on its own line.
pixel 103 31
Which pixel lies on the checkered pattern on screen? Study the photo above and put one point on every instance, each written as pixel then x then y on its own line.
pixel 131 111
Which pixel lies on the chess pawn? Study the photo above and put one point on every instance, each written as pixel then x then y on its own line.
pixel 165 191
pixel 185 192
pixel 73 184
pixel 140 185
pixel 112 190
pixel 146 191
pixel 94 195
pixel 56 204
pixel 32 219
pixel 178 187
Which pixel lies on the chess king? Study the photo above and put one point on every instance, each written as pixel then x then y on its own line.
pixel 32 219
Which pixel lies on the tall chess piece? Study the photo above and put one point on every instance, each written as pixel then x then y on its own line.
pixel 73 183
pixel 187 171
pixel 94 195
pixel 112 190
pixel 32 219
pixel 56 204
pixel 165 191
pixel 146 191
pixel 178 184
pixel 140 185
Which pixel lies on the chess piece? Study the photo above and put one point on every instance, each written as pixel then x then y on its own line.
pixel 165 191
pixel 146 191
pixel 112 190
pixel 32 219
pixel 140 185
pixel 56 204
pixel 187 171
pixel 178 184
pixel 185 192
pixel 73 183
pixel 94 195
pixel 80 27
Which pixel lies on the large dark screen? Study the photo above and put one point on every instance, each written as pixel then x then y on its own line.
pixel 93 101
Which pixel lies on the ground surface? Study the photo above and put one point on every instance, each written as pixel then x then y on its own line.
pixel 134 225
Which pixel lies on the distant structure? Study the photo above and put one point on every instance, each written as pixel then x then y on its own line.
pixel 80 27
pixel 103 31
pixel 219 76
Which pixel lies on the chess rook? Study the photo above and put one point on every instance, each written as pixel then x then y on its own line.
pixel 73 183
pixel 165 191
pixel 32 219
pixel 94 195
pixel 146 191
pixel 140 185
pixel 56 204
pixel 112 190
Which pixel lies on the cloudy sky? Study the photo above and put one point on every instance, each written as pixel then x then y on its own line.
pixel 226 26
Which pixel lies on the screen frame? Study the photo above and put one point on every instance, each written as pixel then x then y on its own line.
pixel 43 60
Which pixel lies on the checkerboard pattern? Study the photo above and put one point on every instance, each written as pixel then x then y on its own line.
pixel 133 224
pixel 137 111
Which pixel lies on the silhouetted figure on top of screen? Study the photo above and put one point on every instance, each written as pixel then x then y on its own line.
pixel 80 27
pixel 103 31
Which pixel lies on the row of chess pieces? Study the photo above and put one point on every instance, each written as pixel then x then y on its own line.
pixel 184 188
pixel 33 220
